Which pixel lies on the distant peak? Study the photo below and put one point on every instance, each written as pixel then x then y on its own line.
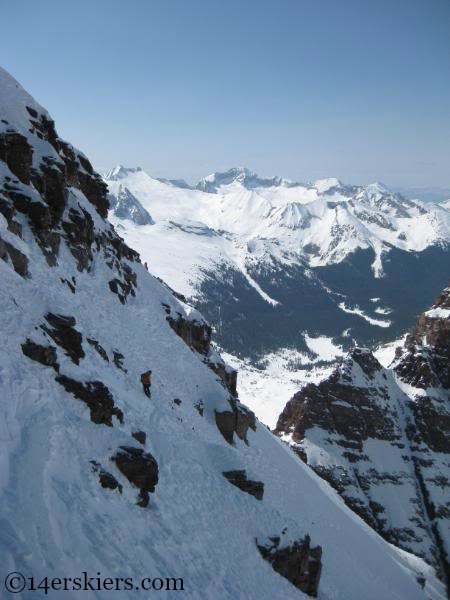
pixel 242 175
pixel 327 184
pixel 378 187
pixel 119 172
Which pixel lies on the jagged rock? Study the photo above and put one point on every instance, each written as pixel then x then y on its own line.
pixel 18 259
pixel 80 235
pixel 245 420
pixel 122 288
pixel 46 355
pixel 239 479
pixel 63 332
pixel 140 468
pixel 126 206
pixel 107 480
pixel 195 334
pixel 118 358
pixel 298 562
pixel 226 424
pixel 227 374
pixel 96 395
pixel 360 413
pixel 238 420
pixel 17 153
pixel 99 348
pixel 140 436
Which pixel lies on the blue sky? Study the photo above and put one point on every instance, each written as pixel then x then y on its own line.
pixel 358 89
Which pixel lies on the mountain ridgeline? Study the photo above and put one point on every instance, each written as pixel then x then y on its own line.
pixel 187 486
pixel 381 436
pixel 268 259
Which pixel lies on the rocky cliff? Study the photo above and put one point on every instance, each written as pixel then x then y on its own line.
pixel 381 436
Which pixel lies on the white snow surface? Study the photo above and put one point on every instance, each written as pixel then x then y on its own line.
pixel 57 521
pixel 240 219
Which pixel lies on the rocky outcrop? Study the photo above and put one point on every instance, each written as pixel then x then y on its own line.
pixel 45 355
pixel 106 480
pixel 99 348
pixel 298 562
pixel 126 206
pixel 19 261
pixel 140 436
pixel 239 479
pixel 62 330
pixel 140 468
pixel 237 421
pixel 196 334
pixel 377 435
pixel 97 397
pixel 51 188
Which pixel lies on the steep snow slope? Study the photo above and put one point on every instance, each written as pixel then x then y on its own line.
pixel 381 436
pixel 81 319
pixel 291 257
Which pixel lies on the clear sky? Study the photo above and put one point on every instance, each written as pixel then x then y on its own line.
pixel 358 89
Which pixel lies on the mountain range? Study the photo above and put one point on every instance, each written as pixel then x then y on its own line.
pixel 282 259
pixel 188 487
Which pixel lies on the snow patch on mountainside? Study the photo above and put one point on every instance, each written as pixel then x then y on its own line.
pixel 357 311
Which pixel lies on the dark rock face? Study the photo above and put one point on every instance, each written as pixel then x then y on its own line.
pixel 118 359
pixel 126 206
pixel 239 479
pixel 48 194
pixel 63 333
pixel 140 436
pixel 96 395
pixel 340 407
pixel 46 355
pixel 99 348
pixel 298 562
pixel 140 468
pixel 106 480
pixel 18 260
pixel 226 374
pixel 380 440
pixel 237 420
pixel 17 153
pixel 196 335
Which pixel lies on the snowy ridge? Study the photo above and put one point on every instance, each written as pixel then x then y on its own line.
pixel 325 221
pixel 81 319
pixel 287 254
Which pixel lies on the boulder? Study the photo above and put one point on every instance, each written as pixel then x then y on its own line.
pixel 298 562
pixel 140 468
pixel 45 355
pixel 239 479
pixel 97 397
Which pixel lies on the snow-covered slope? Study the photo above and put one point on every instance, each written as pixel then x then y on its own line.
pixel 96 477
pixel 381 436
pixel 285 253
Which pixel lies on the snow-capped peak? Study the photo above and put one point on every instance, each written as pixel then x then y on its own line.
pixel 16 105
pixel 243 176
pixel 120 172
pixel 325 185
